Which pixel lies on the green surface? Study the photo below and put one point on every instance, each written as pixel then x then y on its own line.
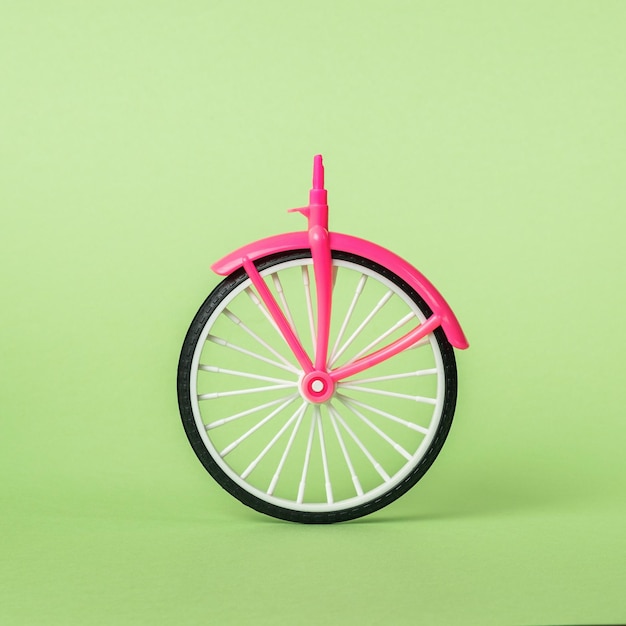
pixel 483 141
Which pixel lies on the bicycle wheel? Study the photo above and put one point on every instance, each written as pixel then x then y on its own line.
pixel 246 420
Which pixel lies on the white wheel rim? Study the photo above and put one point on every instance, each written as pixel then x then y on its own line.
pixel 341 423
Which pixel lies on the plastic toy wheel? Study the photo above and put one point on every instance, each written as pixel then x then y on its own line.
pixel 239 391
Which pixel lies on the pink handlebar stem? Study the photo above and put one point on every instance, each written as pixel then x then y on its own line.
pixel 318 196
pixel 319 243
pixel 318 172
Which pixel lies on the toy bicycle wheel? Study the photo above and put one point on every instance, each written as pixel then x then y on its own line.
pixel 262 441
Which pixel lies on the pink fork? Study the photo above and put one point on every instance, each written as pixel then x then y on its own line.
pixel 321 380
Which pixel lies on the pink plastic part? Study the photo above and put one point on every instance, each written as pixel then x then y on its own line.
pixel 323 268
pixel 318 173
pixel 317 387
pixel 322 260
pixel 258 249
pixel 367 249
pixel 319 382
pixel 411 338
pixel 277 315
pixel 318 195
pixel 317 209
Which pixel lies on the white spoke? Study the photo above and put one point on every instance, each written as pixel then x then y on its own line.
pixel 254 355
pixel 263 310
pixel 235 320
pixel 299 411
pixel 279 469
pixel 386 334
pixel 377 466
pixel 394 418
pixel 271 320
pixel 309 302
pixel 396 446
pixel 346 320
pixel 281 294
pixel 377 379
pixel 219 370
pixel 346 456
pixel 255 409
pixel 381 303
pixel 393 394
pixel 242 392
pixel 307 458
pixel 320 428
pixel 234 444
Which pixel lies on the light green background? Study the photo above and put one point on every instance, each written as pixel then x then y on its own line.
pixel 140 141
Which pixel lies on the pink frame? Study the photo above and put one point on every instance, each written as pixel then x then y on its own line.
pixel 321 243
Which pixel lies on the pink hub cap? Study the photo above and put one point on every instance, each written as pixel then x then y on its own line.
pixel 317 387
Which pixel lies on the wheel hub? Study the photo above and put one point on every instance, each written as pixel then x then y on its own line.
pixel 317 387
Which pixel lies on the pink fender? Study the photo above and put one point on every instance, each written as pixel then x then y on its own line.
pixel 361 247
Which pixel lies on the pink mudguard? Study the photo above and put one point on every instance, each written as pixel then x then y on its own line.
pixel 361 247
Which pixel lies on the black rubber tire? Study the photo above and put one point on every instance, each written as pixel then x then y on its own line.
pixel 186 411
